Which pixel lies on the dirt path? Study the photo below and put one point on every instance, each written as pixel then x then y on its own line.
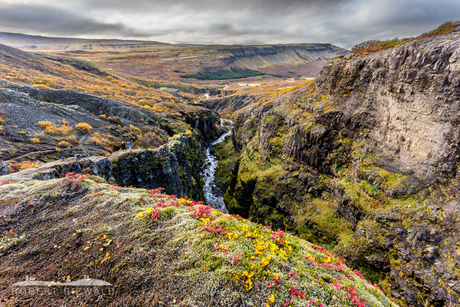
pixel 31 171
pixel 120 153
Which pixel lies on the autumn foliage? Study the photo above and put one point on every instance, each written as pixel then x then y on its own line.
pixel 373 46
pixel 44 124
pixel 149 140
pixel 58 131
pixel 84 128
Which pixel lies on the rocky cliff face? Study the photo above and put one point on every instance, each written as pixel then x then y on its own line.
pixel 175 166
pixel 281 53
pixel 24 106
pixel 300 59
pixel 409 97
pixel 366 160
pixel 229 105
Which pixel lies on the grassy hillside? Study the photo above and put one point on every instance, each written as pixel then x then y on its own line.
pixel 26 68
pixel 157 249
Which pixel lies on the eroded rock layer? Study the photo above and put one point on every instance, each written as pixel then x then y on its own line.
pixel 365 159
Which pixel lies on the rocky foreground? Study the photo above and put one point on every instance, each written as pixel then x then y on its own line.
pixel 158 250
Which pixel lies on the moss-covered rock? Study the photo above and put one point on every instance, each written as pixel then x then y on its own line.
pixel 328 161
pixel 154 247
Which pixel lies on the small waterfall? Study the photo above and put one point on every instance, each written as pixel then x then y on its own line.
pixel 209 170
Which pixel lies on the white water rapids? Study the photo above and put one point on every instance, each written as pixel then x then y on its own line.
pixel 209 171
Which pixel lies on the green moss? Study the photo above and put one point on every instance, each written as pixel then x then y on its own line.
pixel 392 179
pixel 228 159
pixel 167 213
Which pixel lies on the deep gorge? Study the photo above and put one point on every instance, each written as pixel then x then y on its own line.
pixel 364 160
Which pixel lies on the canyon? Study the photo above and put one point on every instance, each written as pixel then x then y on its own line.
pixel 358 164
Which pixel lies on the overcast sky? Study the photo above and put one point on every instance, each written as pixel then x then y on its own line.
pixel 340 22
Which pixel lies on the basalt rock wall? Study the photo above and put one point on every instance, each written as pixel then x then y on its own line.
pixel 365 160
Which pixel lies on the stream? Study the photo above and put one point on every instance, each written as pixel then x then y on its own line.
pixel 209 171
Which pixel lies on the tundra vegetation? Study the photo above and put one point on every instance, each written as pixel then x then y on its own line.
pixel 179 242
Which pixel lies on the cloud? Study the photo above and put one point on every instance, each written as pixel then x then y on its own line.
pixel 341 22
pixel 391 18
pixel 57 21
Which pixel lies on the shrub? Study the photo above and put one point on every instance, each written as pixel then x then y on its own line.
pixel 104 140
pixel 22 132
pixel 72 139
pixel 373 46
pixel 26 164
pixel 134 129
pixel 2 121
pixel 58 150
pixel 84 128
pixel 35 140
pixel 64 122
pixel 58 131
pixel 42 136
pixel 445 28
pixel 64 144
pixel 103 116
pixel 44 124
pixel 188 133
pixel 115 119
pixel 1 128
pixel 149 140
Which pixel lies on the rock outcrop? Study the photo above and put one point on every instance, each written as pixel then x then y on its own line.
pixel 231 104
pixel 94 165
pixel 365 159
pixel 310 57
pixel 137 246
pixel 175 166
pixel 409 99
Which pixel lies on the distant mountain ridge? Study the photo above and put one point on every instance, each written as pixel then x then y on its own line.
pixel 169 61
pixel 37 42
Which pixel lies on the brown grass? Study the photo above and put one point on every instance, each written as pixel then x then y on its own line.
pixel 105 140
pixel 149 140
pixel 72 139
